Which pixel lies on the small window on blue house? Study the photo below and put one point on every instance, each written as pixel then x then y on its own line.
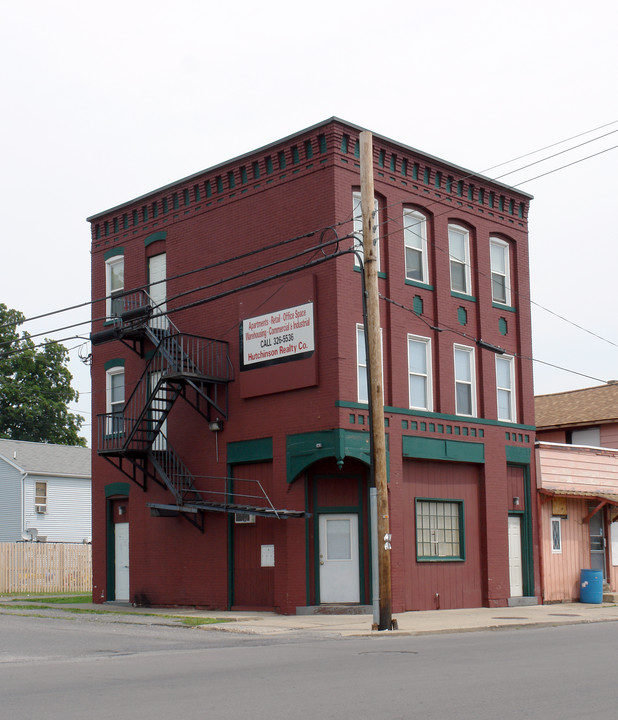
pixel 439 530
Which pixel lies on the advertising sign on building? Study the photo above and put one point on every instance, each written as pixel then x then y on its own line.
pixel 277 337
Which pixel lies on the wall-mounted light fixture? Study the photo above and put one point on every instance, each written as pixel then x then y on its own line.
pixel 516 501
pixel 215 425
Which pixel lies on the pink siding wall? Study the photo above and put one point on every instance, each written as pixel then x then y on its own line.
pixel 575 469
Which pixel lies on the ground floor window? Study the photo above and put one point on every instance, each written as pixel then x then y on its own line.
pixel 439 529
pixel 556 535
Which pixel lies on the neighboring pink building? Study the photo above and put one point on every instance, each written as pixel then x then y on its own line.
pixel 577 481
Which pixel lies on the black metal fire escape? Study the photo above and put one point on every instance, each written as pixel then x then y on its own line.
pixel 134 438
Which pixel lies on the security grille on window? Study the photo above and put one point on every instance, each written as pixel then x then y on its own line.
pixel 439 530
pixel 40 497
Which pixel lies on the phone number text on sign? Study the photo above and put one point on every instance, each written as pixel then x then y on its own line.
pixel 278 335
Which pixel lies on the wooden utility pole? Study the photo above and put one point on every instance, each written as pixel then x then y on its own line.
pixel 374 373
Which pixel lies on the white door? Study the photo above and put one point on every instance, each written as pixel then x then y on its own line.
pixel 339 570
pixel 157 271
pixel 121 555
pixel 515 557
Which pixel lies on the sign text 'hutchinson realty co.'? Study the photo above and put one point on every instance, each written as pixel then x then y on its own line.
pixel 278 336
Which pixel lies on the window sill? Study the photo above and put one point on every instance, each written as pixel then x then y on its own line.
pixel 418 284
pixel 439 559
pixel 501 306
pixel 463 296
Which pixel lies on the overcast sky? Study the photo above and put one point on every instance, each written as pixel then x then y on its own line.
pixel 104 102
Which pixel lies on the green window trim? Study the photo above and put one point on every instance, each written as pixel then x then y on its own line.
pixel 249 451
pixel 416 283
pixel 160 235
pixel 462 296
pixel 113 253
pixel 506 308
pixel 115 362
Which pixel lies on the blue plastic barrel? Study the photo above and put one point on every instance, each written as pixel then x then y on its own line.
pixel 591 586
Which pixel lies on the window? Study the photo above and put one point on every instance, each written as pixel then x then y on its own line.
pixel 459 253
pixel 40 497
pixel 556 535
pixel 585 436
pixel 505 385
pixel 114 285
pixel 115 401
pixel 357 215
pixel 419 373
pixel 439 530
pixel 361 365
pixel 415 239
pixel 465 386
pixel 500 271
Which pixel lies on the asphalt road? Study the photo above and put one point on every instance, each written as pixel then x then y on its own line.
pixel 53 669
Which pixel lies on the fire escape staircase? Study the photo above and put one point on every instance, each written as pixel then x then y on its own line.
pixel 134 438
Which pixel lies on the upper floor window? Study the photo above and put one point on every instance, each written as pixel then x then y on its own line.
pixel 500 271
pixel 361 365
pixel 419 373
pixel 585 436
pixel 357 215
pixel 114 285
pixel 465 381
pixel 459 253
pixel 40 497
pixel 115 400
pixel 505 386
pixel 415 239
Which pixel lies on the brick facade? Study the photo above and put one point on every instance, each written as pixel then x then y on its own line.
pixel 297 426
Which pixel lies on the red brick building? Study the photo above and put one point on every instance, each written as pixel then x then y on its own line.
pixel 229 383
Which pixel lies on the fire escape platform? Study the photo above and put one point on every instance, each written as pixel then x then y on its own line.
pixel 205 506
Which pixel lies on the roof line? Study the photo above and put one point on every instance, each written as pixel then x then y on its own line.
pixel 287 138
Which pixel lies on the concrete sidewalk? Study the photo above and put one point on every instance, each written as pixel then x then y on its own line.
pixel 269 623
pixel 421 623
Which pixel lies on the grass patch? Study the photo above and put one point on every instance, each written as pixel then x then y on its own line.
pixel 194 621
pixel 58 600
pixel 184 619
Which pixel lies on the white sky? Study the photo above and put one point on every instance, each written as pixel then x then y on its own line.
pixel 103 103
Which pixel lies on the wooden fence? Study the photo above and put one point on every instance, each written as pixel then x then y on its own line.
pixel 45 567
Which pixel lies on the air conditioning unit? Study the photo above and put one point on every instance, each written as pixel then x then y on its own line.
pixel 244 518
pixel 40 508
